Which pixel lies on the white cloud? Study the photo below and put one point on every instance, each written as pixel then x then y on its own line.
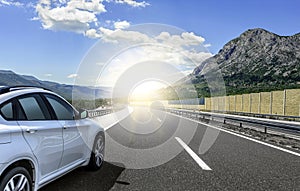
pixel 35 19
pixel 80 16
pixel 94 6
pixel 92 33
pixel 133 3
pixel 73 16
pixel 117 35
pixel 207 45
pixel 184 59
pixel 48 75
pixel 180 41
pixel 121 24
pixel 11 3
pixel 197 57
pixel 72 76
pixel 192 39
pixel 185 39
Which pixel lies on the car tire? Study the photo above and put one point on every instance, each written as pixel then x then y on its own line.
pixel 17 178
pixel 97 155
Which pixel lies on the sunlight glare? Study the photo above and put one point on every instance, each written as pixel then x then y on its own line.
pixel 147 90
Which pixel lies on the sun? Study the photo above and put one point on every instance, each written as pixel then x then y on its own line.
pixel 146 90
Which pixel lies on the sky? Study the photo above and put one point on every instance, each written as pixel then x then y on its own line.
pixel 49 38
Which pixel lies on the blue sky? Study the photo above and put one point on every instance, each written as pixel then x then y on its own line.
pixel 31 43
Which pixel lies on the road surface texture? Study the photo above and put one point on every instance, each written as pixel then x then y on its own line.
pixel 236 163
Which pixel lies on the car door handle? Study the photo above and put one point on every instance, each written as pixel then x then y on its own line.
pixel 31 131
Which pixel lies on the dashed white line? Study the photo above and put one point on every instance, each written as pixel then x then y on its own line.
pixel 245 137
pixel 198 160
pixel 159 120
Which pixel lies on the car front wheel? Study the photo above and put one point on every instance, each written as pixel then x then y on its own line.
pixel 18 179
pixel 97 155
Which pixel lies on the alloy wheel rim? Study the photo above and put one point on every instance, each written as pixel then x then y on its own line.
pixel 99 151
pixel 19 182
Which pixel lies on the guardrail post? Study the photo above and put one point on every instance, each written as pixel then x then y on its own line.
pixel 224 121
pixel 241 125
pixel 265 129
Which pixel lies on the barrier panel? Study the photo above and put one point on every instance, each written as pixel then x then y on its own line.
pixel 232 103
pixel 292 102
pixel 265 102
pixel 277 102
pixel 239 103
pixel 227 103
pixel 255 103
pixel 246 103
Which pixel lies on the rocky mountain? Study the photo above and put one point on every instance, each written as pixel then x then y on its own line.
pixel 9 78
pixel 257 60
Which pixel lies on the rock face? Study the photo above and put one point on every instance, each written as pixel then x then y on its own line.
pixel 257 60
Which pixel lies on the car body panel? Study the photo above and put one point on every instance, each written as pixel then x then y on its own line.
pixel 74 146
pixel 53 147
pixel 13 135
pixel 46 142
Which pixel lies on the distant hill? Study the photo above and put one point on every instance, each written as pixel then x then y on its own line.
pixel 256 61
pixel 9 78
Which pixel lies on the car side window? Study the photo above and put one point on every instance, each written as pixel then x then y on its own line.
pixel 7 111
pixel 34 108
pixel 62 110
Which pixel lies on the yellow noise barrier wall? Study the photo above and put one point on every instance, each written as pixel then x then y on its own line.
pixel 246 103
pixel 277 102
pixel 227 103
pixel 292 102
pixel 231 103
pixel 285 102
pixel 265 102
pixel 255 103
pixel 239 103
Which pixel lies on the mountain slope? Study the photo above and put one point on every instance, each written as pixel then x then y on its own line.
pixel 9 78
pixel 257 60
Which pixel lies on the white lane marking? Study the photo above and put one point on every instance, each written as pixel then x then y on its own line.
pixel 111 125
pixel 159 120
pixel 198 160
pixel 242 136
pixel 110 120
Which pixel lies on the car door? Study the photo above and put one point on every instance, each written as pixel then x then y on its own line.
pixel 74 147
pixel 43 134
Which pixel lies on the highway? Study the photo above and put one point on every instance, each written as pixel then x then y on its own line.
pixel 232 163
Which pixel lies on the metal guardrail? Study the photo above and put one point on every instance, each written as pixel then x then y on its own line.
pixel 267 116
pixel 97 113
pixel 292 126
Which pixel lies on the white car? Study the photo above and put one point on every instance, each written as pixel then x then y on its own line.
pixel 43 137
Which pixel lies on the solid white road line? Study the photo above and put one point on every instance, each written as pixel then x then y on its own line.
pixel 198 160
pixel 110 120
pixel 245 137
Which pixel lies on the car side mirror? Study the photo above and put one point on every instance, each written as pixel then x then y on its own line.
pixel 82 114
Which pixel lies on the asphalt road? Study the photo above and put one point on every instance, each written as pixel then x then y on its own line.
pixel 236 163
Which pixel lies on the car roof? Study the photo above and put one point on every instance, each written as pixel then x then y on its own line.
pixel 5 89
pixel 7 93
